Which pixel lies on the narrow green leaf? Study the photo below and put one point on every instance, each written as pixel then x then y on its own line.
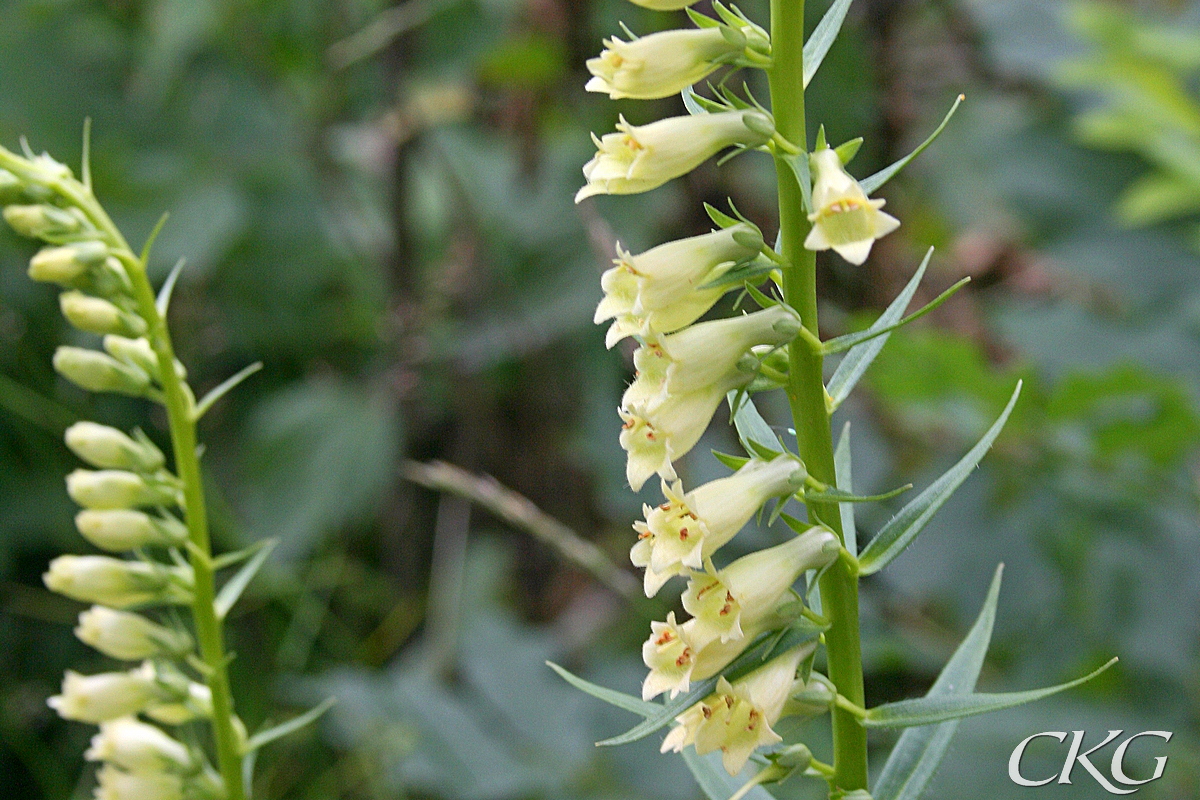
pixel 163 301
pixel 831 495
pixel 761 650
pixel 912 519
pixel 225 388
pixel 854 364
pixel 800 167
pixel 823 37
pixel 691 101
pixel 226 560
pixel 263 738
pixel 750 271
pixel 916 756
pixel 872 183
pixel 154 232
pixel 231 591
pixel 842 343
pixel 753 431
pixel 714 781
pixel 845 481
pixel 940 708
pixel 733 462
pixel 611 696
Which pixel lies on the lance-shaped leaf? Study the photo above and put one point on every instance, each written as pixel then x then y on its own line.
pixel 265 737
pixel 611 696
pixel 871 184
pixel 714 781
pixel 845 481
pixel 941 708
pixel 231 591
pixel 227 386
pixel 837 495
pixel 803 172
pixel 753 431
pixel 855 362
pixel 850 340
pixel 916 756
pixel 823 37
pixel 912 519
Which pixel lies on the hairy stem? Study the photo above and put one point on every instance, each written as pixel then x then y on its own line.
pixel 178 401
pixel 806 394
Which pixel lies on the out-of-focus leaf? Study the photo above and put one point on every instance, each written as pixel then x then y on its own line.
pixel 714 781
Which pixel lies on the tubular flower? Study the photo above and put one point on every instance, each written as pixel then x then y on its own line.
pixel 127 636
pixel 657 432
pixel 663 64
pixel 675 657
pixel 116 784
pixel 99 698
pixel 737 718
pixel 708 352
pixel 844 218
pixel 643 157
pixel 750 588
pixel 687 529
pixel 138 748
pixel 114 582
pixel 658 291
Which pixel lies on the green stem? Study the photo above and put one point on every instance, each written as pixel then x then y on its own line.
pixel 178 401
pixel 806 394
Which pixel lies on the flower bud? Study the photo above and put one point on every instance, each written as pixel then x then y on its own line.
pixel 108 448
pixel 196 704
pixel 41 221
pixel 639 158
pixel 97 372
pixel 659 290
pixel 121 530
pixel 112 489
pixel 137 352
pixel 99 698
pixel 686 530
pixel 661 64
pixel 126 636
pixel 96 315
pixel 843 217
pixel 810 699
pixel 737 718
pixel 138 748
pixel 63 265
pixel 750 588
pixel 10 187
pixel 116 784
pixel 116 583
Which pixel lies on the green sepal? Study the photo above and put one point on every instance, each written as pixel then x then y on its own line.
pixel 872 183
pixel 848 150
pixel 701 20
pixel 899 533
pixel 753 431
pixel 754 270
pixel 733 462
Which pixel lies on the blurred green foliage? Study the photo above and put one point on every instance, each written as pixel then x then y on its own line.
pixel 388 225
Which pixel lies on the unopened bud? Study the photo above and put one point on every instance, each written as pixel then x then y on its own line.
pixel 41 221
pixel 95 315
pixel 114 488
pixel 196 705
pixel 121 530
pixel 139 353
pixel 138 748
pixel 109 695
pixel 126 636
pixel 109 448
pixel 98 372
pixel 796 756
pixel 116 583
pixel 10 187
pixel 116 784
pixel 62 265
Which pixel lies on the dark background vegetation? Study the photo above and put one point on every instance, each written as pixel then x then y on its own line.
pixel 385 220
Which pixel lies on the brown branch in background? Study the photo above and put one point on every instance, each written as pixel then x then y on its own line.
pixel 519 512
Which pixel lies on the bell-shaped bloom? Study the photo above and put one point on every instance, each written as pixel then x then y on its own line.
pixel 638 158
pixel 656 433
pixel 750 588
pixel 662 64
pixel 843 217
pixel 681 533
pixel 126 636
pixel 108 448
pixel 138 748
pixel 706 353
pixel 121 530
pixel 737 718
pixel 659 291
pixel 117 784
pixel 117 583
pixel 109 695
pixel 670 658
